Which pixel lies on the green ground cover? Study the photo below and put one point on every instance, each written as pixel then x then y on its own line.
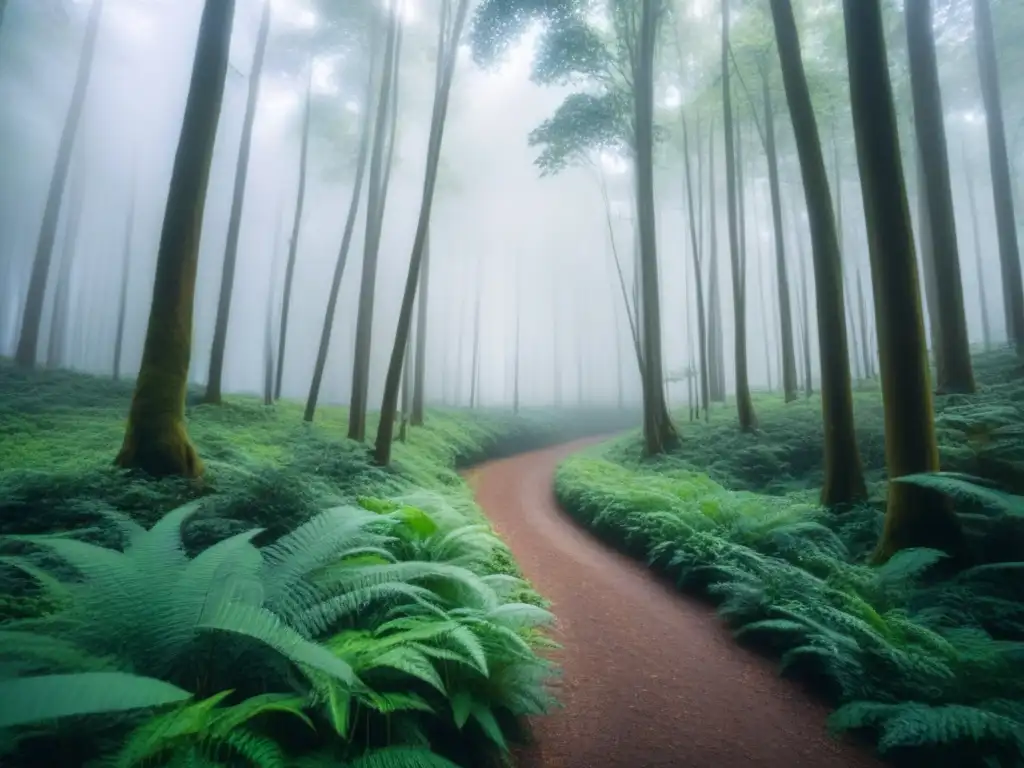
pixel 927 662
pixel 299 607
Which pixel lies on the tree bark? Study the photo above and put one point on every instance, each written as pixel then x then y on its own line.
pixel 293 241
pixel 869 368
pixel 56 351
pixel 420 380
pixel 929 278
pixel 155 439
pixel 27 350
pixel 844 477
pixel 914 516
pixel 986 327
pixel 371 247
pixel 956 374
pixel 841 234
pixel 122 303
pixel 214 378
pixel 362 153
pixel 268 330
pixel 716 375
pixel 1002 191
pixel 695 249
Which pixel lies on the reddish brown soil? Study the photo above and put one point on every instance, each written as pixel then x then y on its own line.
pixel 651 677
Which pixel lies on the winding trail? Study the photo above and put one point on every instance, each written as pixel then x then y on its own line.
pixel 651 678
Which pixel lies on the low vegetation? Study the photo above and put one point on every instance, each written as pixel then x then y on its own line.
pixel 299 606
pixel 926 659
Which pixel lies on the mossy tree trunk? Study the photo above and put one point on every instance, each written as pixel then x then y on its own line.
pixel 27 350
pixel 362 155
pixel 376 199
pixel 844 477
pixel 122 302
pixel 986 327
pixel 659 432
pixel 155 439
pixel 914 517
pixel 56 348
pixel 696 244
pixel 1002 191
pixel 293 241
pixel 956 374
pixel 214 379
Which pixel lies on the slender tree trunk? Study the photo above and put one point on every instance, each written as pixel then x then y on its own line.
pixel 515 366
pixel 293 241
pixel 406 389
pixel 869 369
pixel 1002 191
pixel 929 277
pixel 371 246
pixel 806 306
pixel 56 351
pixel 956 374
pixel 696 243
pixel 126 266
pixel 844 477
pixel 419 385
pixel 155 439
pixel 716 377
pixel 986 327
pixel 915 517
pixel 27 350
pixel 659 432
pixel 268 330
pixel 214 380
pixel 475 361
pixel 837 171
pixel 346 240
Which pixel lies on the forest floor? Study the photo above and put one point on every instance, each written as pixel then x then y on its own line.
pixel 403 589
pixel 650 678
pixel 926 662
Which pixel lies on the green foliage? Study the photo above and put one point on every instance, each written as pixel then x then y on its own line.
pixel 395 623
pixel 925 659
pixel 582 124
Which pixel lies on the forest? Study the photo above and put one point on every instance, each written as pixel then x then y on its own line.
pixel 380 385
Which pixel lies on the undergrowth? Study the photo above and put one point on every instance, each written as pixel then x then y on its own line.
pixel 930 664
pixel 298 607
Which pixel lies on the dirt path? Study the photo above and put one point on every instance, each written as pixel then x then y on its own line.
pixel 651 678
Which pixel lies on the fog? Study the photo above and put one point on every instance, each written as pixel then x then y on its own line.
pixel 533 247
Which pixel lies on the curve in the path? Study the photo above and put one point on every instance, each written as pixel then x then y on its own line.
pixel 651 678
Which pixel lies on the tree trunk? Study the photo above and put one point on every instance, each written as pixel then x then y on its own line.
pixel 986 327
pixel 1002 192
pixel 214 378
pixel 659 432
pixel 841 235
pixel 474 365
pixel 716 375
pixel 869 368
pixel 268 330
pixel 371 247
pixel 420 380
pixel 155 440
pixel 929 278
pixel 56 351
pixel 915 517
pixel 515 366
pixel 32 317
pixel 122 303
pixel 406 391
pixel 293 242
pixel 696 242
pixel 956 374
pixel 789 385
pixel 346 239
pixel 844 477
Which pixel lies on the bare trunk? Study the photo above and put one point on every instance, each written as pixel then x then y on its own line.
pixel 122 303
pixel 696 244
pixel 31 320
pixel 716 375
pixel 986 327
pixel 419 384
pixel 56 351
pixel 214 381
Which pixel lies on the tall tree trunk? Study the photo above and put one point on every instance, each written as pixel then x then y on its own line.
pixel 215 375
pixel 929 277
pixel 406 389
pixel 914 517
pixel 837 172
pixel 696 243
pixel 659 432
pixel 28 341
pixel 716 375
pixel 869 368
pixel 475 361
pixel 346 239
pixel 268 330
pixel 56 351
pixel 789 385
pixel 371 246
pixel 419 384
pixel 155 439
pixel 293 241
pixel 986 327
pixel 515 365
pixel 1002 191
pixel 844 477
pixel 126 266
pixel 956 374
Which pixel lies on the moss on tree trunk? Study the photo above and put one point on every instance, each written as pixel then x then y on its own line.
pixel 156 440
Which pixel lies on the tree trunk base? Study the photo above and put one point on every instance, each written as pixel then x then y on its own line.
pixel 919 517
pixel 161 450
